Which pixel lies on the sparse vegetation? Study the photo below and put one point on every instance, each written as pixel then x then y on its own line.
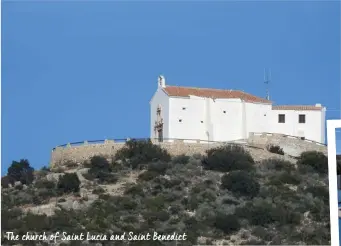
pixel 98 190
pixel 316 160
pixel 227 223
pixel 221 195
pixel 101 170
pixel 5 182
pixel 20 171
pixel 44 184
pixel 275 149
pixel 181 159
pixel 69 182
pixel 240 183
pixel 140 152
pixel 228 158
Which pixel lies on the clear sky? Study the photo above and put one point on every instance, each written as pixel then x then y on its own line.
pixel 74 71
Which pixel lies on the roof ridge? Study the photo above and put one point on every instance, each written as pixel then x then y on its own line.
pixel 202 88
pixel 295 105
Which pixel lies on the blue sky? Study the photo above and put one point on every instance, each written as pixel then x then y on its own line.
pixel 74 71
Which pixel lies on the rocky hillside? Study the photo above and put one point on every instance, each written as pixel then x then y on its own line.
pixel 228 196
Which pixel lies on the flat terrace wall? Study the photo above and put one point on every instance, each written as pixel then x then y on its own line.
pixel 291 145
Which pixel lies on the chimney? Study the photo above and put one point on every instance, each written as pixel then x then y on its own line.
pixel 161 81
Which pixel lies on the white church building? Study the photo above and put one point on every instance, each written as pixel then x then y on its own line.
pixel 226 115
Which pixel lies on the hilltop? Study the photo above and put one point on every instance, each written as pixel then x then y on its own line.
pixel 228 195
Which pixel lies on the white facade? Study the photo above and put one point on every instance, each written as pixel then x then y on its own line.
pixel 194 118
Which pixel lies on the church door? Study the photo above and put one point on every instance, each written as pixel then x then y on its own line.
pixel 160 135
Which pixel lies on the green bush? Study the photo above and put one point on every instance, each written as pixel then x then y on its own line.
pixel 5 182
pixel 137 152
pixel 175 209
pixel 257 215
pixel 99 163
pixel 229 201
pixel 312 236
pixel 21 171
pixel 104 197
pixel 17 199
pixel 124 203
pixel 275 149
pixel 253 242
pixel 19 187
pixel 148 175
pixel 286 216
pixel 175 182
pixel 180 159
pixel 155 203
pixel 274 164
pixel 285 178
pixel 98 190
pixel 240 183
pixel 262 233
pixel 10 219
pixel 158 167
pixel 227 223
pixel 317 160
pixel 319 191
pixel 153 216
pixel 265 213
pixel 100 169
pixel 228 158
pixel 44 183
pixel 135 190
pixel 69 182
pixel 44 193
pixel 35 222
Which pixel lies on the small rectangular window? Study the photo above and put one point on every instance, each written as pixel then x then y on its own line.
pixel 180 120
pixel 281 118
pixel 224 112
pixel 183 108
pixel 301 118
pixel 202 121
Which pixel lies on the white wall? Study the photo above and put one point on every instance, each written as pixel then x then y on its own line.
pixel 191 116
pixel 312 129
pixel 323 126
pixel 229 125
pixel 159 98
pixel 258 117
pixel 205 115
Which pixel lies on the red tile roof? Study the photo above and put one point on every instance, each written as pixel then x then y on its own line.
pixel 297 107
pixel 180 91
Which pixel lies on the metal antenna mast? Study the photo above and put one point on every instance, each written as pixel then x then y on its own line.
pixel 267 78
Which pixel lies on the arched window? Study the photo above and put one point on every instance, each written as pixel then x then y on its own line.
pixel 158 110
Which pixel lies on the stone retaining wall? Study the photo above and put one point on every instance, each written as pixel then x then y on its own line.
pixel 292 146
pixel 81 153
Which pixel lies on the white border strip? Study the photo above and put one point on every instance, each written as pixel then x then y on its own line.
pixel 332 172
